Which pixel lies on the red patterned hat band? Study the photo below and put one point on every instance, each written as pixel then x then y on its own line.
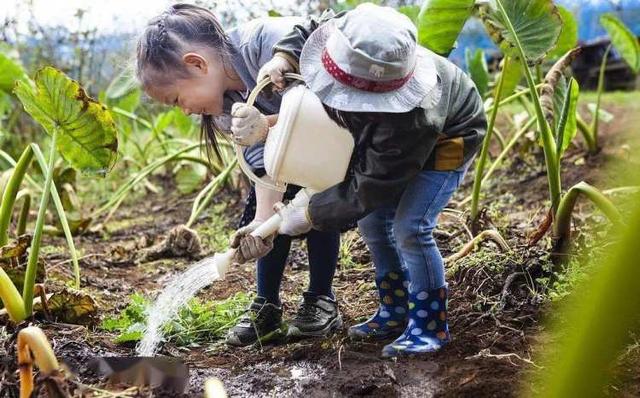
pixel 358 82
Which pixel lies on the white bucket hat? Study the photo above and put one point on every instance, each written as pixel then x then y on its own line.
pixel 368 61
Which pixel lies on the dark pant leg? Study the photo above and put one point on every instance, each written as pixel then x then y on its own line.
pixel 323 250
pixel 270 269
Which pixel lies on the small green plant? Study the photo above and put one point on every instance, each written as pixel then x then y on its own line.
pixel 196 323
pixel 82 130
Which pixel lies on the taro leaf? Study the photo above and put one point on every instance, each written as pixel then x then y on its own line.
pixel 512 77
pixel 183 122
pixel 13 259
pixel 440 23
pixel 163 120
pixel 189 177
pixel 568 37
pixel 73 306
pixel 87 136
pixel 129 102
pixel 477 65
pixel 537 25
pixel 410 11
pixel 10 71
pixel 623 40
pixel 124 83
pixel 567 122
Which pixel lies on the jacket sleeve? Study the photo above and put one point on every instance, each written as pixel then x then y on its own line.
pixel 292 43
pixel 389 159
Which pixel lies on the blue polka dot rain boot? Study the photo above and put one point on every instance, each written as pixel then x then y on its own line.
pixel 391 317
pixel 427 330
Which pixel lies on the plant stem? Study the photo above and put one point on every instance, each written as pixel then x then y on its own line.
pixel 33 347
pixel 11 298
pixel 10 193
pixel 562 225
pixel 484 153
pixel 586 132
pixel 62 216
pixel 34 251
pixel 512 98
pixel 24 214
pixel 198 205
pixel 549 145
pixel 596 114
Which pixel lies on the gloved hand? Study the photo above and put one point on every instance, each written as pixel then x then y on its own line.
pixel 295 218
pixel 250 247
pixel 275 70
pixel 248 125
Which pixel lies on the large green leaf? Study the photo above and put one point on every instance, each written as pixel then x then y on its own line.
pixel 10 71
pixel 440 23
pixel 537 25
pixel 569 36
pixel 87 136
pixel 478 69
pixel 623 40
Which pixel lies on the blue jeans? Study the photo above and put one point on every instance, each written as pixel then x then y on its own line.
pixel 401 237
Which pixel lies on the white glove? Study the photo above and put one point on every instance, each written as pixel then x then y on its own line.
pixel 275 69
pixel 248 125
pixel 295 218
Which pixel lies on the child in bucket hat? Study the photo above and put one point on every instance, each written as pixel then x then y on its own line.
pixel 417 121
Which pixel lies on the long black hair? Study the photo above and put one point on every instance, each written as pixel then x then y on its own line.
pixel 163 43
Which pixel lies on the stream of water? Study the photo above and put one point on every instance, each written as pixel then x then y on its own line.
pixel 176 294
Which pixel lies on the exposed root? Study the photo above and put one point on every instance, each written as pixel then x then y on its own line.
pixel 180 242
pixel 491 234
pixel 486 353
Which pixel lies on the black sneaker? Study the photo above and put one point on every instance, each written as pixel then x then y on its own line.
pixel 317 316
pixel 262 322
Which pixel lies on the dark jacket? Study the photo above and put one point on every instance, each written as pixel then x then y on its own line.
pixel 442 134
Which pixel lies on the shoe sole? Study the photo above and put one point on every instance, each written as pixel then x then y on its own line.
pixel 332 326
pixel 274 335
pixel 374 337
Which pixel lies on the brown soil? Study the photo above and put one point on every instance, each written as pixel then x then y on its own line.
pixel 495 318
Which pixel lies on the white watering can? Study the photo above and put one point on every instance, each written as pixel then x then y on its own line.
pixel 305 148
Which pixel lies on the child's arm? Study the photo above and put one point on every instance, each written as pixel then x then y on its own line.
pixel 265 199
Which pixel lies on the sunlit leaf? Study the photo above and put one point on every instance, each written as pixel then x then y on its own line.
pixel 623 39
pixel 477 65
pixel 10 71
pixel 537 25
pixel 87 134
pixel 410 11
pixel 440 23
pixel 568 37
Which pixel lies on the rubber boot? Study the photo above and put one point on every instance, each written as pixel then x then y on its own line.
pixel 391 317
pixel 427 330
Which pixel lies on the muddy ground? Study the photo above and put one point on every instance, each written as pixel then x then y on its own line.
pixel 497 306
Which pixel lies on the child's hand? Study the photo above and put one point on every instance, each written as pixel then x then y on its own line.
pixel 248 125
pixel 250 247
pixel 275 70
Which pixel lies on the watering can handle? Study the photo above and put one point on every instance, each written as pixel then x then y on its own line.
pixel 244 166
